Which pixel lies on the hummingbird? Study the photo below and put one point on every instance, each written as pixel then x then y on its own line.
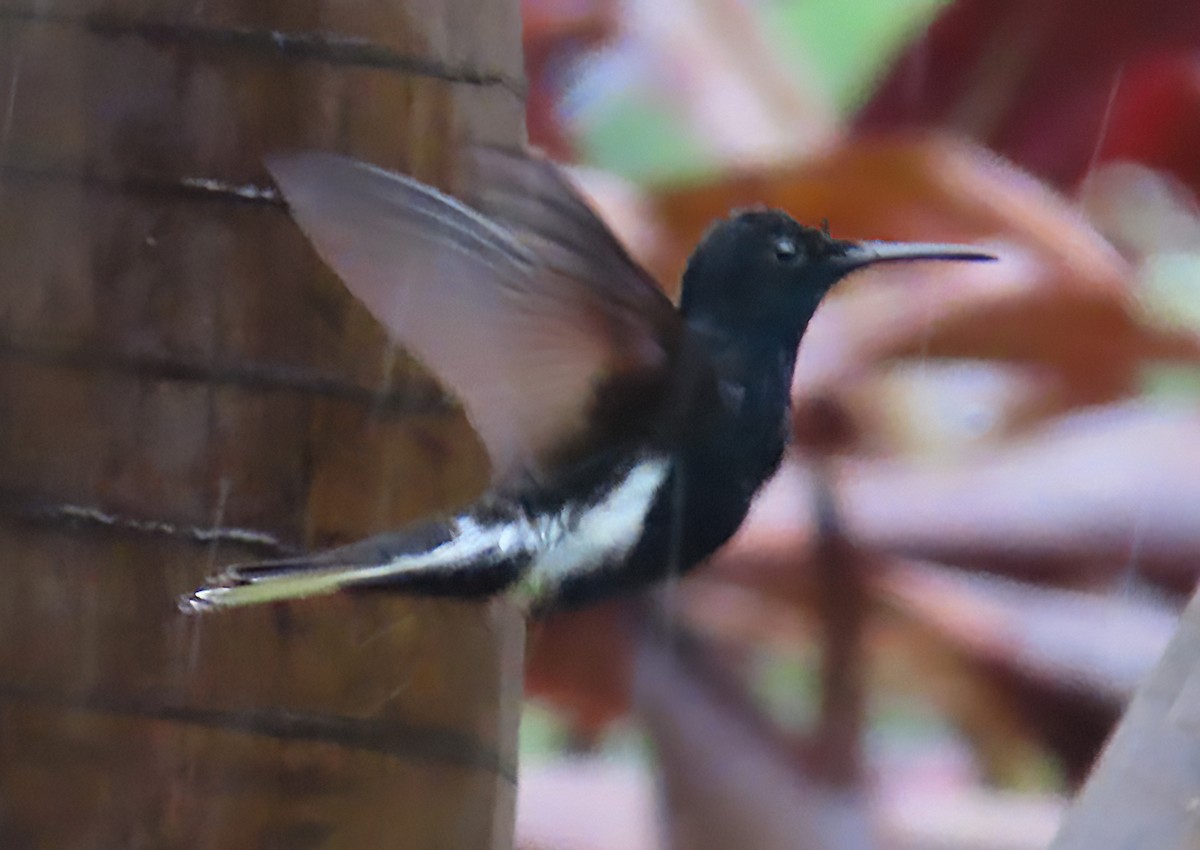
pixel 627 436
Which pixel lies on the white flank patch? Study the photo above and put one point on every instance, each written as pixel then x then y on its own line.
pixel 572 541
pixel 471 542
pixel 602 533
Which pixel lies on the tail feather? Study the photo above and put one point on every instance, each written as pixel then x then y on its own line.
pixel 457 557
pixel 255 584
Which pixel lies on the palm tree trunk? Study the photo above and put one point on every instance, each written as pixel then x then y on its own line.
pixel 183 385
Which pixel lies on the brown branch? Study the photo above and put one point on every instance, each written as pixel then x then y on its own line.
pixel 842 609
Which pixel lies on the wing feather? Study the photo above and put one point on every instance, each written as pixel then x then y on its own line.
pixel 525 306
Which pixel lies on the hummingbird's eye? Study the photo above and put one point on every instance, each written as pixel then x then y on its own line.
pixel 785 249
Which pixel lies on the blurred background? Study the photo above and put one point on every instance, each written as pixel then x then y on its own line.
pixel 973 567
pixel 989 524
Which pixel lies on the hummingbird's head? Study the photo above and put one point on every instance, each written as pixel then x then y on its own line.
pixel 761 269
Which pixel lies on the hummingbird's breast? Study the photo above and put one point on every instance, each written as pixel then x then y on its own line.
pixel 665 501
pixel 668 511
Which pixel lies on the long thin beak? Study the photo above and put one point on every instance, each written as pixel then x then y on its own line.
pixel 867 253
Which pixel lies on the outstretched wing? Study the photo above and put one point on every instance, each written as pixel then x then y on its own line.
pixel 526 307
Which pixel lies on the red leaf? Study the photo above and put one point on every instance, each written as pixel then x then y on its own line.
pixel 1031 79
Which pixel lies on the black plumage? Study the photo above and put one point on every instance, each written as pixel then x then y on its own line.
pixel 627 437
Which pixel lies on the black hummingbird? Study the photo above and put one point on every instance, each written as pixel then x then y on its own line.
pixel 627 437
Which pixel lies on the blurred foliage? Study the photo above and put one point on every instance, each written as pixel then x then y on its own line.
pixel 627 125
pixel 848 44
pixel 1012 448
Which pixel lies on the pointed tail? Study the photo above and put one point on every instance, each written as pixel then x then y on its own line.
pixel 458 557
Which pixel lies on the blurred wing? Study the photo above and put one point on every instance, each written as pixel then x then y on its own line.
pixel 536 201
pixel 514 320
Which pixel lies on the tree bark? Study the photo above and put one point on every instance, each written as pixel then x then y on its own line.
pixel 183 385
